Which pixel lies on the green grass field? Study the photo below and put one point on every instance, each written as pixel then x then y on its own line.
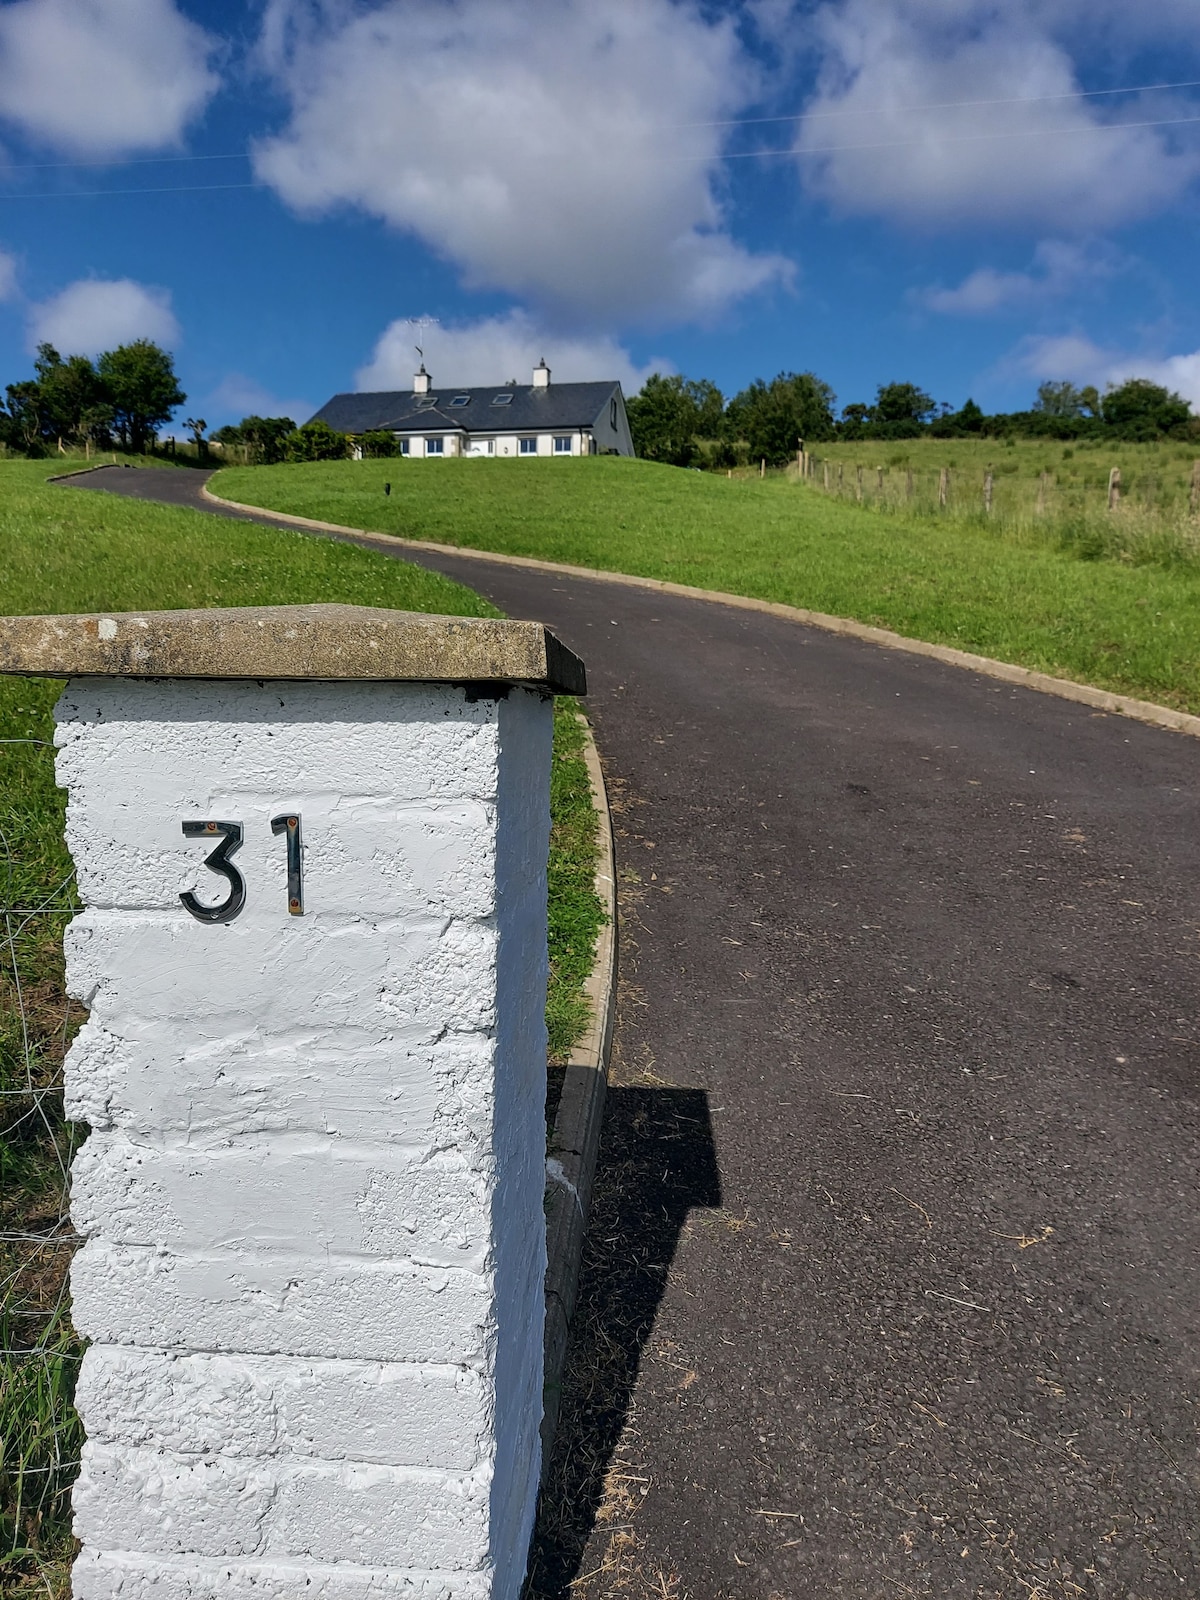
pixel 1046 595
pixel 64 550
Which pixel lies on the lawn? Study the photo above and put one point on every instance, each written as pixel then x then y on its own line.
pixel 62 550
pixel 1050 596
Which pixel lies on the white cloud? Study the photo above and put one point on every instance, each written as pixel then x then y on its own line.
pixel 1181 374
pixel 554 149
pixel 1057 160
pixel 102 78
pixel 1081 360
pixel 8 276
pixel 495 349
pixel 237 396
pixel 1059 267
pixel 97 314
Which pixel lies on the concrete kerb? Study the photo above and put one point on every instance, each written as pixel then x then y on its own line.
pixel 575 1139
pixel 79 472
pixel 1022 677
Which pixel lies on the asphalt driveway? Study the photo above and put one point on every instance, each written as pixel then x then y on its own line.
pixel 892 1282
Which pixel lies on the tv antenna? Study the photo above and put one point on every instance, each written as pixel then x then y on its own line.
pixel 418 325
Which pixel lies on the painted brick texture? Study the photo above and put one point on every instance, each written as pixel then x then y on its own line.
pixel 312 1195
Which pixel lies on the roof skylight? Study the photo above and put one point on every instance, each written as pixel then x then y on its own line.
pixel 502 399
pixel 461 400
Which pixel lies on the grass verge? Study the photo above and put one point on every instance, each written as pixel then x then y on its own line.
pixel 60 551
pixel 982 586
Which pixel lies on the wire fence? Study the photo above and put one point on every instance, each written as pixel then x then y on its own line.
pixel 1141 510
pixel 40 1434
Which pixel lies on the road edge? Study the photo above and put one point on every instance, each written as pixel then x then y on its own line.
pixel 575 1140
pixel 1022 677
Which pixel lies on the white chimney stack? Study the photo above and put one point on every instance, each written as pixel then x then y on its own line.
pixel 541 375
pixel 422 381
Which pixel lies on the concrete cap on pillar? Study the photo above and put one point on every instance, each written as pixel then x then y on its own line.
pixel 290 642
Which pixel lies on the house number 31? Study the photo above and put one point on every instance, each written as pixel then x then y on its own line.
pixel 227 837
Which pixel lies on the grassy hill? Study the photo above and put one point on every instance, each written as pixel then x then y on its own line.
pixel 1049 595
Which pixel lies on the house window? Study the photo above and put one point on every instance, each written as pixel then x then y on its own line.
pixel 461 400
pixel 427 402
pixel 435 447
pixel 502 399
pixel 612 413
pixel 529 447
pixel 562 444
pixel 405 446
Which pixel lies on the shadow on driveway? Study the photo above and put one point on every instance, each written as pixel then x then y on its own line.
pixel 657 1162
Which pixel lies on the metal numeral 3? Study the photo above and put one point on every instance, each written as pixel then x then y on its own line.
pixel 229 835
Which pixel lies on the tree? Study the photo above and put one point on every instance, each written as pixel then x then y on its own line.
pixel 670 413
pixel 26 415
pixel 69 391
pixel 773 417
pixel 1059 400
pixel 141 386
pixel 378 442
pixel 904 404
pixel 855 419
pixel 264 438
pixel 317 441
pixel 1139 409
pixel 953 424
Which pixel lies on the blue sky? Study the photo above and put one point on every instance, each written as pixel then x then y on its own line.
pixel 969 194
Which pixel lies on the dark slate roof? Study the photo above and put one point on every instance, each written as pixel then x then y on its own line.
pixel 561 405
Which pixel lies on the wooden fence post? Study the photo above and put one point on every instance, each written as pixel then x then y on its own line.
pixel 943 486
pixel 989 483
pixel 880 474
pixel 858 471
pixel 825 475
pixel 841 477
pixel 762 466
pixel 1194 502
pixel 1114 488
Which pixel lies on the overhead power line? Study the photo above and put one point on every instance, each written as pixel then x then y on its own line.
pixel 725 122
pixel 962 138
pixel 92 194
pixel 729 155
pixel 120 161
pixel 941 105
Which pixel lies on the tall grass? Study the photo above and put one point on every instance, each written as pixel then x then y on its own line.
pixel 1052 495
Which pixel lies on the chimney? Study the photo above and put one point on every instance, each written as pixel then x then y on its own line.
pixel 422 381
pixel 541 375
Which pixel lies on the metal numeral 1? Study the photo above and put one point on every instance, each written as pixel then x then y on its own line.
pixel 230 839
pixel 295 863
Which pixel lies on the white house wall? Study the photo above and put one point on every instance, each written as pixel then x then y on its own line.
pixel 506 444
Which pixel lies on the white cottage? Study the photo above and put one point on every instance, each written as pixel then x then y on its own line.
pixel 537 419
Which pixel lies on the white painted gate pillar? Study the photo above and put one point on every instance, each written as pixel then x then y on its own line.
pixel 311 843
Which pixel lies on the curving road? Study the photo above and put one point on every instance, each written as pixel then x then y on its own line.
pixel 893 1280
